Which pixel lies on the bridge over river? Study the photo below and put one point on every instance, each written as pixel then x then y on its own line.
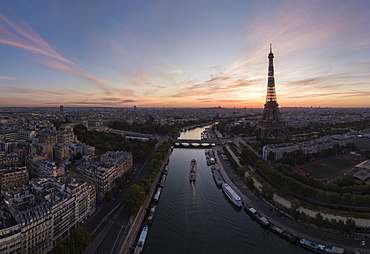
pixel 197 142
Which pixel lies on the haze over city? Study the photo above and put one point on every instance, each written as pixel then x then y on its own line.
pixel 183 53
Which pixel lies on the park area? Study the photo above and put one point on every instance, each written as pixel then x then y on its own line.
pixel 329 167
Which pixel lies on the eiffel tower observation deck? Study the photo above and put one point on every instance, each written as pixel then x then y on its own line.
pixel 271 125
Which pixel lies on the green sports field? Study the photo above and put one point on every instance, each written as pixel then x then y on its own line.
pixel 329 167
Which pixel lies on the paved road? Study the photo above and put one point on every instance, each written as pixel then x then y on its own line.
pixel 110 224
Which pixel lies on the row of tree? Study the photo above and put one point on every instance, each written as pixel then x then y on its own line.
pixel 248 157
pixel 104 142
pixel 309 191
pixel 333 225
pixel 75 243
pixel 150 127
pixel 138 192
pixel 239 170
pixel 119 183
pixel 324 129
pixel 347 227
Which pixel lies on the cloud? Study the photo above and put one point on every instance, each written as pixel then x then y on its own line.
pixel 67 69
pixel 21 35
pixel 24 37
pixel 158 86
pixel 7 78
pixel 111 99
pixel 217 79
pixel 38 92
pixel 218 87
pixel 113 103
pixel 128 101
pixel 339 94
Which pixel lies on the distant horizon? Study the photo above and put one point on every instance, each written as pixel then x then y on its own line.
pixel 138 107
pixel 181 54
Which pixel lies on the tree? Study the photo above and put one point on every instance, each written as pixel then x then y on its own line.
pixel 350 226
pixel 326 223
pixel 267 192
pixel 134 199
pixel 295 204
pixel 108 197
pixel 241 171
pixel 76 243
pixel 303 217
pixel 119 182
pixel 249 182
pixel 248 156
pixel 319 220
pixel 81 238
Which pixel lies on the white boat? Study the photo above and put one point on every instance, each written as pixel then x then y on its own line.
pixel 163 180
pixel 157 195
pixel 231 194
pixel 142 238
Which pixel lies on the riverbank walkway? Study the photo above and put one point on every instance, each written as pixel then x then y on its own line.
pixel 226 176
pixel 351 245
pixel 286 203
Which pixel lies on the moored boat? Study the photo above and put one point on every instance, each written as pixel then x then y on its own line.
pixel 151 214
pixel 208 161
pixel 263 221
pixel 231 194
pixel 318 248
pixel 283 233
pixel 157 194
pixel 142 238
pixel 163 180
pixel 217 176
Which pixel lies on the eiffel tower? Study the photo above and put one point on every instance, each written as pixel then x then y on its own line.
pixel 271 125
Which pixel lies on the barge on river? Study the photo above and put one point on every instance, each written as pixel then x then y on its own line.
pixel 263 221
pixel 217 176
pixel 193 169
pixel 284 234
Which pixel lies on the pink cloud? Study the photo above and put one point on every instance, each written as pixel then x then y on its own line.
pixel 23 36
pixel 7 78
pixel 38 92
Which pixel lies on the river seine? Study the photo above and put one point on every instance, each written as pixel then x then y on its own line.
pixel 199 218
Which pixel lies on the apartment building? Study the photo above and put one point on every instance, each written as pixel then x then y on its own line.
pixel 309 147
pixel 61 152
pixel 32 222
pixel 104 172
pixel 13 176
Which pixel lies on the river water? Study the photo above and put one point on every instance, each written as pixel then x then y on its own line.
pixel 199 218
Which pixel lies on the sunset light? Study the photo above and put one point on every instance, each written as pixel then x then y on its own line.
pixel 183 53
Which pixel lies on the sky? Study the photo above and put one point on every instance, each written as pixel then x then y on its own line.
pixel 175 53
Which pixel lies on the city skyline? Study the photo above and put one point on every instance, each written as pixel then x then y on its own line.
pixel 184 54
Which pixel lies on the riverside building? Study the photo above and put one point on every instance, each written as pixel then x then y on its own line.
pixel 104 172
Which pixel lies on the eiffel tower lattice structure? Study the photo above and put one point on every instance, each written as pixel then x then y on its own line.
pixel 271 125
